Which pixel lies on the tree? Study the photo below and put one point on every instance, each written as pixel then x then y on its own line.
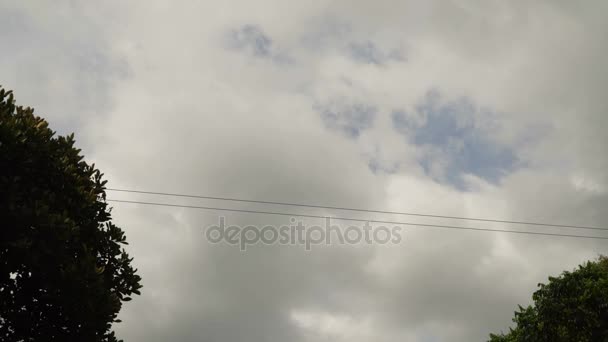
pixel 63 271
pixel 570 308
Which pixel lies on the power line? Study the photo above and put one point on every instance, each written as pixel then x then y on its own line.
pixel 357 220
pixel 304 205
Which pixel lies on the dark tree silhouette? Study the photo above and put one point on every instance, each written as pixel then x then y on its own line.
pixel 63 272
pixel 570 308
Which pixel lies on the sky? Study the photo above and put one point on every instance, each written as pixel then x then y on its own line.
pixel 487 109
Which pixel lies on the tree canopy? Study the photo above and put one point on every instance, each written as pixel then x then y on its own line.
pixel 570 308
pixel 64 273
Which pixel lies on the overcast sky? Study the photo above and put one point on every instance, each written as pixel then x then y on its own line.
pixel 489 109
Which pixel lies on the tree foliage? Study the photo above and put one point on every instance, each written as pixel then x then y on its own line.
pixel 570 308
pixel 63 271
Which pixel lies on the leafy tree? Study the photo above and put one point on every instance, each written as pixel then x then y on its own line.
pixel 570 308
pixel 63 272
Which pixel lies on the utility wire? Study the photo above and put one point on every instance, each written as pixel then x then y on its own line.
pixel 304 205
pixel 357 220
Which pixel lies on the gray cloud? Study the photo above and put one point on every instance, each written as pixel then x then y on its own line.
pixel 162 105
pixel 62 73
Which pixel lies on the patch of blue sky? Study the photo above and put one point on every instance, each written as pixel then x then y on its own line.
pixel 332 33
pixel 378 166
pixel 452 131
pixel 348 118
pixel 367 52
pixel 252 39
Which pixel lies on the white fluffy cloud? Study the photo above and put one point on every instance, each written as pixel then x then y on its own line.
pixel 328 102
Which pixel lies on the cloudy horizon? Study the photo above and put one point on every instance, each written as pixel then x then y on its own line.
pixel 455 108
